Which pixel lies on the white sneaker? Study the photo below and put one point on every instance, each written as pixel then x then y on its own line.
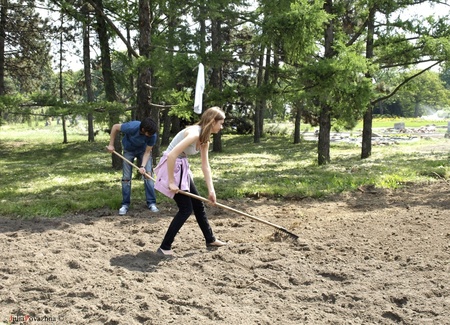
pixel 123 210
pixel 165 252
pixel 153 208
pixel 216 243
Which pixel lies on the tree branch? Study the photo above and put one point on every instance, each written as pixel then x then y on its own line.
pixel 110 23
pixel 403 83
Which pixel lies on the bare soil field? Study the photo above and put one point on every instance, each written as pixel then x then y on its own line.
pixel 369 257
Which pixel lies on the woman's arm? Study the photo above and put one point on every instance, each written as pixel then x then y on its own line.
pixel 206 169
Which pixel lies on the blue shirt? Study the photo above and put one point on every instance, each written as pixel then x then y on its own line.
pixel 133 140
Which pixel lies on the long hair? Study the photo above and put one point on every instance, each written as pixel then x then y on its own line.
pixel 207 120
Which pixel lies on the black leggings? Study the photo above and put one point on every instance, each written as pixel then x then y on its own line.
pixel 186 205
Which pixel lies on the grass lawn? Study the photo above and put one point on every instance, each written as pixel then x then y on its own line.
pixel 43 177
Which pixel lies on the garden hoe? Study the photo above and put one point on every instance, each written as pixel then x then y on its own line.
pixel 200 198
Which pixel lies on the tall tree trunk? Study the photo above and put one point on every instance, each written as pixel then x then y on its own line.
pixel 323 148
pixel 172 19
pixel 175 126
pixel 166 121
pixel 266 80
pixel 366 145
pixel 298 118
pixel 108 78
pixel 3 16
pixel 145 73
pixel 144 81
pixel 63 119
pixel 202 32
pixel 216 74
pixel 130 58
pixel 87 69
pixel 258 103
pixel 61 94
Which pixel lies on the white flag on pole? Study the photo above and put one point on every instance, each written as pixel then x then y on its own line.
pixel 199 88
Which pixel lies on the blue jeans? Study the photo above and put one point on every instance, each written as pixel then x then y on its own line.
pixel 187 205
pixel 149 185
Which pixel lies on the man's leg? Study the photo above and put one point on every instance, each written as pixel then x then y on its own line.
pixel 126 179
pixel 149 186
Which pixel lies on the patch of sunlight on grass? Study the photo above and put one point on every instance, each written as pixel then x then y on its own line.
pixel 63 178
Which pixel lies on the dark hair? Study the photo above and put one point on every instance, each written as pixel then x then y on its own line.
pixel 148 125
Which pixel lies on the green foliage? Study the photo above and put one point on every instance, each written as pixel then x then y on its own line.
pixel 26 53
pixel 445 75
pixel 339 82
pixel 44 108
pixel 297 27
pixel 299 74
pixel 183 109
pixel 10 101
pixel 44 99
pixel 423 95
pixel 278 129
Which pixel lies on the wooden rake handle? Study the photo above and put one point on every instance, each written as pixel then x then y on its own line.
pixel 223 206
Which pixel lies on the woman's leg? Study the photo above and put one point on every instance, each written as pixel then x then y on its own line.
pixel 200 216
pixel 185 207
pixel 184 204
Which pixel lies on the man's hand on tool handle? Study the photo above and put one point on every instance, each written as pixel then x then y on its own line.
pixel 111 149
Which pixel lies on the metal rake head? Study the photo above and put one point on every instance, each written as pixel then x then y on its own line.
pixel 281 234
pixel 284 233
